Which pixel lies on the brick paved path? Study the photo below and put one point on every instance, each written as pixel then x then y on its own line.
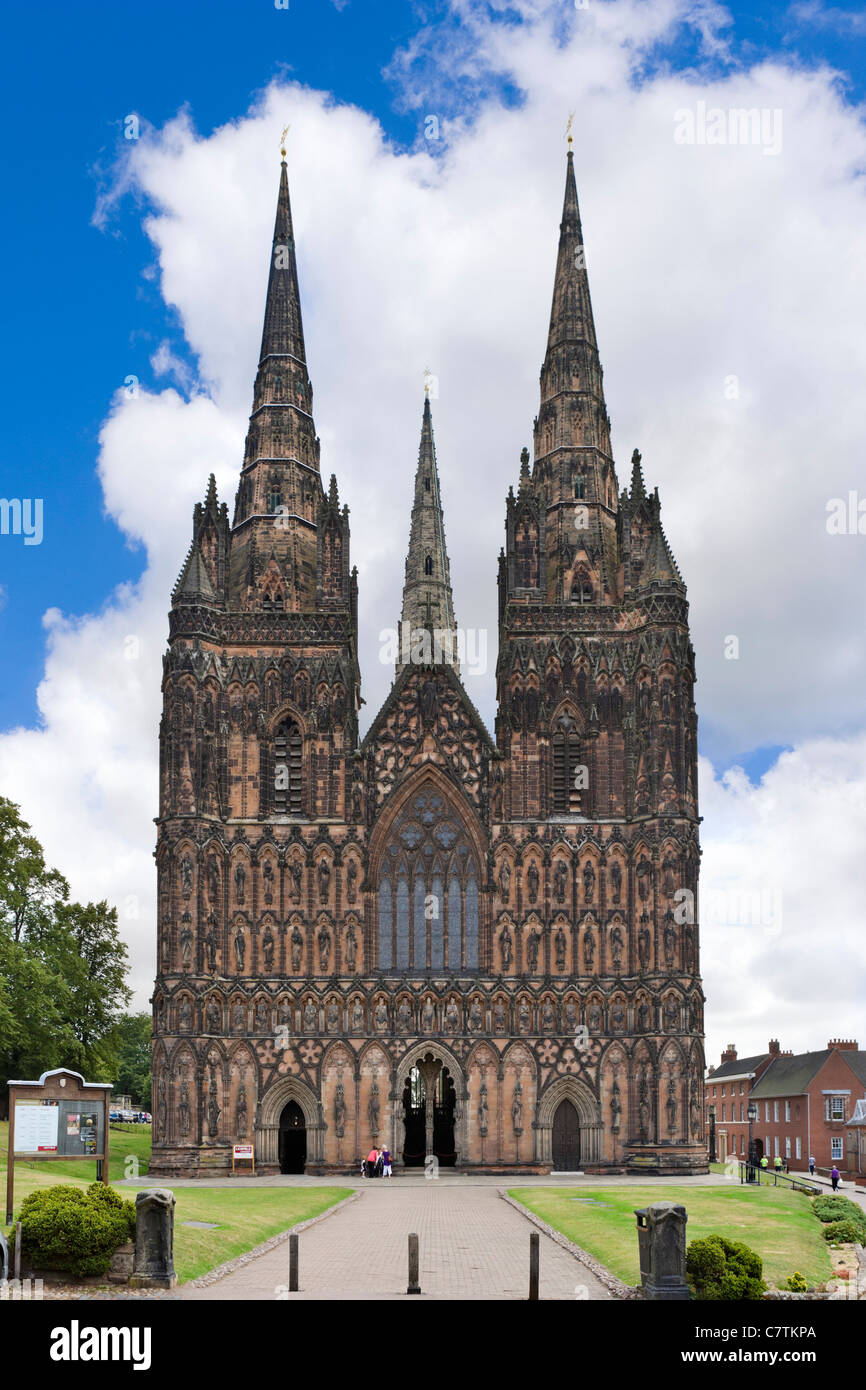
pixel 472 1243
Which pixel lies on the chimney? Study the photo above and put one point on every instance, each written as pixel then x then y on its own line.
pixel 843 1044
pixel 730 1053
pixel 774 1047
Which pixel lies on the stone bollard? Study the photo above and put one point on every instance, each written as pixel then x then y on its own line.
pixel 154 1240
pixel 414 1285
pixel 293 1262
pixel 662 1243
pixel 534 1258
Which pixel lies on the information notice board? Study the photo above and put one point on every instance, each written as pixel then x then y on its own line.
pixel 67 1128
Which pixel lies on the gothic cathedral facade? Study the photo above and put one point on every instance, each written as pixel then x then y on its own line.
pixel 476 951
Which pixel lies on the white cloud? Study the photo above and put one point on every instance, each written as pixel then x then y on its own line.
pixel 705 262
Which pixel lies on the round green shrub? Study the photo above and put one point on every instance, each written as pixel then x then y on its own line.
pixel 795 1283
pixel 75 1229
pixel 837 1209
pixel 723 1270
pixel 846 1232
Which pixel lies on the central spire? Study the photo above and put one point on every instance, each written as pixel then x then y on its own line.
pixel 428 628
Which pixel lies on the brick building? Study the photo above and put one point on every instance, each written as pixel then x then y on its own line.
pixel 806 1104
pixel 480 948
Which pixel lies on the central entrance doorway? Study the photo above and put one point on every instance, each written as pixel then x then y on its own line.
pixel 566 1138
pixel 293 1139
pixel 428 1132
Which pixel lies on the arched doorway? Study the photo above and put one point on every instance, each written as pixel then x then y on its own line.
pixel 430 1076
pixel 293 1139
pixel 566 1138
pixel 759 1149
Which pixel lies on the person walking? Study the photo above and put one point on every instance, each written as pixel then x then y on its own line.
pixel 777 1163
pixel 834 1177
pixel 811 1165
pixel 386 1162
pixel 765 1163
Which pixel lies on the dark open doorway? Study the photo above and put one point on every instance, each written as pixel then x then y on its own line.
pixel 566 1138
pixel 415 1115
pixel 293 1139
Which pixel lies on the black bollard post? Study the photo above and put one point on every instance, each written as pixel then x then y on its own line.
pixel 534 1254
pixel 293 1263
pixel 414 1285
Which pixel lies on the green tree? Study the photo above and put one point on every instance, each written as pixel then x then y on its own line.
pixel 29 890
pixel 132 1041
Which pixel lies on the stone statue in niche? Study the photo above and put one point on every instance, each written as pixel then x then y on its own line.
pixel 210 942
pixel 482 1110
pixel 695 1016
pixel 560 879
pixel 452 1017
pixel 589 950
pixel 241 1111
pixel 268 878
pixel 695 1106
pixel 213 878
pixel 506 948
pixel 238 1021
pixel 351 881
pixel 351 949
pixel 428 700
pixel 296 873
pixel 262 1021
pixel 643 948
pixel 476 1017
pixel 496 797
pixel 324 873
pixel 643 1017
pixel 617 1018
pixel 324 949
pixel 311 1017
pixel 615 1106
pixel 357 1017
pixel 616 947
pixel 532 880
pixel 380 1017
pixel 500 1017
pixel 285 1013
pixel 213 1017
pixel 517 708
pixel 161 1108
pixel 560 943
pixel 333 1017
pixel 643 1108
pixel 213 1109
pixel 517 1108
pixel 616 880
pixel 185 1016
pixel 297 950
pixel 183 1111
pixel 524 1017
pixel 186 876
pixel 186 945
pixel 588 881
pixel 688 949
pixel 268 948
pixel 570 1015
pixel 594 1019
pixel 339 1111
pixel 671 1013
pixel 505 880
pixel 532 944
pixel 373 1107
pixel 671 1103
pixel 404 1016
pixel 240 883
pixel 240 949
pixel 548 1017
pixel 644 878
pixel 357 802
pixel 669 875
pixel 669 938
pixel 428 1016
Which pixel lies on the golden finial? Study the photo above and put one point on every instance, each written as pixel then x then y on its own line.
pixel 286 130
pixel 428 380
pixel 568 133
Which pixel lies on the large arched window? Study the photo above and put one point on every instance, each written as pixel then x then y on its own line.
pixel 428 890
pixel 288 762
pixel 566 767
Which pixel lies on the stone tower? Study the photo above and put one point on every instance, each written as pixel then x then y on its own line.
pixel 481 951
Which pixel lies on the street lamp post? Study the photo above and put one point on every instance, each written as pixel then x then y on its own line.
pixel 753 1115
pixel 712 1115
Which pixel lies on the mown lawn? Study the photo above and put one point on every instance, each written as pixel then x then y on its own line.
pixel 244 1216
pixel 778 1224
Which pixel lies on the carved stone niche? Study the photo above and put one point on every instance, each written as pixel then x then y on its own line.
pixel 153 1267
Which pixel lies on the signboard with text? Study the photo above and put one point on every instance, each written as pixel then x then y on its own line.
pixel 60 1116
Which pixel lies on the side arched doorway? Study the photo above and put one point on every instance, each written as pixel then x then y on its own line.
pixel 566 1138
pixel 293 1139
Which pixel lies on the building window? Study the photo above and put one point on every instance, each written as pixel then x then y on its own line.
pixel 778 1150
pixel 742 1088
pixel 798 1147
pixel 836 1149
pixel 427 483
pixel 835 1108
pixel 775 1112
pixel 787 1146
pixel 724 1090
pixel 566 761
pixel 742 1113
pixel 723 1115
pixel 766 1110
pixel 288 761
pixel 579 486
pixel 787 1111
pixel 428 564
pixel 581 588
pixel 768 1148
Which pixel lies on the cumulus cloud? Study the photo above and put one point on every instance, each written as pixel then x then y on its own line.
pixel 728 300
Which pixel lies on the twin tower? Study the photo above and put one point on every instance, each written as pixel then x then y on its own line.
pixel 477 951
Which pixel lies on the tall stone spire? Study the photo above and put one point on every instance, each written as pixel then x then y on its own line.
pixel 574 468
pixel 428 628
pixel 283 331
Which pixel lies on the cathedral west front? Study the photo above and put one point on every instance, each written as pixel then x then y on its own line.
pixel 479 949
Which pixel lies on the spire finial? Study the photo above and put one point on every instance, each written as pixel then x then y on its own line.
pixel 428 381
pixel 568 134
pixel 286 129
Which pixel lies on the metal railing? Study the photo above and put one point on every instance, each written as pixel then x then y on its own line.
pixel 772 1177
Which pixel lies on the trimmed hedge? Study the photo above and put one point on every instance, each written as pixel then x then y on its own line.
pixel 838 1209
pixel 846 1232
pixel 75 1229
pixel 723 1270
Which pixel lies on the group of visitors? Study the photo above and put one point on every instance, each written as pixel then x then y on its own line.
pixel 780 1164
pixel 377 1164
pixel 835 1175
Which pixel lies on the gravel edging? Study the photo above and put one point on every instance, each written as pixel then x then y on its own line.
pixel 229 1267
pixel 615 1287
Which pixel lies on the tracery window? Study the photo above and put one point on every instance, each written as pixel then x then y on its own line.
pixel 428 890
pixel 566 763
pixel 288 768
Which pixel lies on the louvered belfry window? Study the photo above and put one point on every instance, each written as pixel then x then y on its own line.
pixel 566 761
pixel 288 760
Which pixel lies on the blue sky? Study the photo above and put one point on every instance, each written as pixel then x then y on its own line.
pixel 71 76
